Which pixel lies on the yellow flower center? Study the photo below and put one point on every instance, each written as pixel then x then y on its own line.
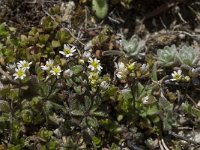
pixel 56 70
pixel 94 64
pixel 25 65
pixel 67 51
pixel 20 73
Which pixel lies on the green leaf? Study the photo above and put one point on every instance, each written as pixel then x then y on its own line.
pixel 14 93
pixel 47 107
pixel 3 31
pixel 115 147
pixel 4 117
pixel 43 38
pixel 45 134
pixel 99 114
pixel 77 113
pixel 125 100
pixel 87 102
pixel 4 106
pixel 96 141
pixel 14 147
pixel 77 69
pixel 191 110
pixel 27 115
pixel 63 36
pixel 55 44
pixel 152 110
pixel 12 29
pixel 127 95
pixel 92 121
pixel 79 90
pixel 48 23
pixel 52 145
pixel 154 73
pixel 100 7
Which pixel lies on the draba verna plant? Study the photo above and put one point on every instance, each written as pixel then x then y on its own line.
pixel 167 56
pixel 56 95
pixel 133 46
pixel 188 56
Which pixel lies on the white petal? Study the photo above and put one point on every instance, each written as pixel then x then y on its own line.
pixel 179 72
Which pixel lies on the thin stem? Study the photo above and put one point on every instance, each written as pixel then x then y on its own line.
pixel 52 87
pixel 134 100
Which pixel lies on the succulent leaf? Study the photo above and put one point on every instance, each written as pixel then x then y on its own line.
pixel 100 7
pixel 133 46
pixel 167 56
pixel 188 56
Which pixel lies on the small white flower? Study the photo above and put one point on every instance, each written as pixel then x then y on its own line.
pixel 186 79
pixel 11 66
pixel 19 73
pixel 145 100
pixel 176 75
pixel 88 45
pixel 68 51
pixel 67 73
pixel 144 67
pixel 81 61
pixel 94 64
pixel 56 70
pixel 49 65
pixel 24 64
pixel 86 55
pixel 121 70
pixel 104 85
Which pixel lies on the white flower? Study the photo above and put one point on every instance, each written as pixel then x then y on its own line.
pixel 94 64
pixel 68 51
pixel 67 73
pixel 81 61
pixel 93 77
pixel 121 70
pixel 24 64
pixel 88 45
pixel 186 79
pixel 176 75
pixel 145 100
pixel 19 73
pixel 104 85
pixel 144 68
pixel 86 55
pixel 49 65
pixel 56 70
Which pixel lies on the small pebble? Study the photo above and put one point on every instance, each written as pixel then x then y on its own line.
pixel 181 36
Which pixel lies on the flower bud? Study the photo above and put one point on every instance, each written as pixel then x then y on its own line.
pixel 67 73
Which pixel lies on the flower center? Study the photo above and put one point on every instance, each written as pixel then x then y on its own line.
pixel 25 65
pixel 56 70
pixel 177 76
pixel 20 73
pixel 67 51
pixel 95 64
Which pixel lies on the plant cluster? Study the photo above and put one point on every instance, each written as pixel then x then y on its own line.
pixel 56 94
pixel 169 56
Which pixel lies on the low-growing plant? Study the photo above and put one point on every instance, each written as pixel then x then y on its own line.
pixel 188 56
pixel 133 46
pixel 55 95
pixel 167 56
